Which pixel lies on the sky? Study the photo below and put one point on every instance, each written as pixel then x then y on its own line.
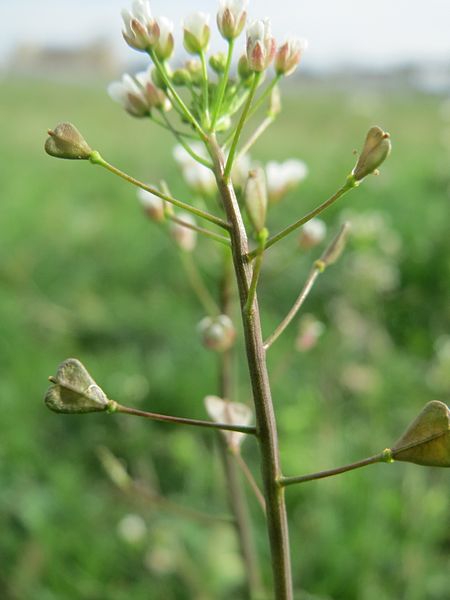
pixel 377 33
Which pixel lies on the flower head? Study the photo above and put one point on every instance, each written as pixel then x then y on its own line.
pixel 65 141
pixel 138 95
pixel 312 233
pixel 260 45
pixel 141 29
pixel 283 177
pixel 231 18
pixel 196 32
pixel 288 55
pixel 153 205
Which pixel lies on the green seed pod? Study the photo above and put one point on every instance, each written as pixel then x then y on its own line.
pixel 377 148
pixel 66 141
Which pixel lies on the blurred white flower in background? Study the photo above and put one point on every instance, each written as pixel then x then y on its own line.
pixel 283 177
pixel 312 233
pixel 198 177
pixel 132 529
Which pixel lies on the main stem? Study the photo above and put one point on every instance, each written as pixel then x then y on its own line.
pixel 265 418
pixel 236 495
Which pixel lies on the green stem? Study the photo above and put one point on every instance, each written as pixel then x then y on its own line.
pixel 200 159
pixel 97 159
pixel 223 85
pixel 242 120
pixel 381 457
pixel 251 480
pixel 172 129
pixel 256 271
pixel 350 184
pixel 118 408
pixel 187 113
pixel 210 234
pixel 198 286
pixel 255 136
pixel 205 89
pixel 265 95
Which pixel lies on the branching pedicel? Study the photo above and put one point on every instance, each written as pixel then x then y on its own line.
pixel 209 112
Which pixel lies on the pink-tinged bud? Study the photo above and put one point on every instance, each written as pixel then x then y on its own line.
pixel 230 413
pixel 154 96
pixel 256 199
pixel 312 233
pixel 152 205
pixel 66 141
pixel 165 44
pixel 196 33
pixel 183 235
pixel 288 56
pixel 309 332
pixel 231 18
pixel 217 333
pixel 261 45
pixel 283 177
pixel 141 29
pixel 377 148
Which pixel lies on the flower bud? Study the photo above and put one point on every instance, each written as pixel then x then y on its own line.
pixel 309 331
pixel 195 71
pixel 375 151
pixel 229 413
pixel 74 390
pixel 130 95
pixel 165 44
pixel 260 45
pixel 157 78
pixel 288 56
pixel 141 29
pixel 153 95
pixel 256 198
pixel 231 18
pixel 181 77
pixel 283 177
pixel 312 233
pixel 183 235
pixel 217 333
pixel 196 33
pixel 66 141
pixel 218 62
pixel 244 71
pixel 152 205
pixel 427 440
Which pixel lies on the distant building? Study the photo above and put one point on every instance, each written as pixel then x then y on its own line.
pixel 96 59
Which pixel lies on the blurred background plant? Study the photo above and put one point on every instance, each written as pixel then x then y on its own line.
pixel 83 273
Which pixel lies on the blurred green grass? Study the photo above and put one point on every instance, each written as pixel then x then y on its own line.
pixel 83 273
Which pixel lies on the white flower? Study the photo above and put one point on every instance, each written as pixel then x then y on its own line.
pixel 185 237
pixel 196 32
pixel 154 96
pixel 153 205
pixel 260 45
pixel 230 413
pixel 288 55
pixel 164 46
pixel 141 30
pixel 282 177
pixel 312 233
pixel 218 333
pixel 130 95
pixel 198 177
pixel 231 17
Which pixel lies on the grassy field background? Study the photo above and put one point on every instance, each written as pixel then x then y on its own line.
pixel 83 273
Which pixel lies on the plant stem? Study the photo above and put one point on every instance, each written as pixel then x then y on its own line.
pixel 251 480
pixel 97 159
pixel 205 93
pixel 187 113
pixel 256 270
pixel 200 159
pixel 236 497
pixel 241 123
pixel 198 285
pixel 213 236
pixel 172 129
pixel 349 184
pixel 264 95
pixel 381 457
pixel 265 418
pixel 315 272
pixel 118 408
pixel 223 85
